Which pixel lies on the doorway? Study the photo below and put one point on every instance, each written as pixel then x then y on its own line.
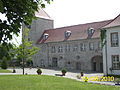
pixel 78 65
pixel 54 62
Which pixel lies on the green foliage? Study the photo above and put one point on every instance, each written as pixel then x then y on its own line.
pixel 116 76
pixel 64 71
pixel 103 36
pixel 39 71
pixel 17 12
pixel 5 71
pixel 4 64
pixel 26 49
pixel 117 80
pixel 5 50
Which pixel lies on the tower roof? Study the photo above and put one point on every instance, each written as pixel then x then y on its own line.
pixel 42 14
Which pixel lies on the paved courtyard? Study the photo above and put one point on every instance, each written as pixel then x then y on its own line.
pixel 52 72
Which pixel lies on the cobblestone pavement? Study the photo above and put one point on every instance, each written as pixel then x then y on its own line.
pixel 52 72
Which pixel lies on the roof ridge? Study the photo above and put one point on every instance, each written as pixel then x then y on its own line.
pixel 79 25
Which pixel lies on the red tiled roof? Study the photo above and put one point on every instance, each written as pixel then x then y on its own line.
pixel 42 14
pixel 114 22
pixel 77 32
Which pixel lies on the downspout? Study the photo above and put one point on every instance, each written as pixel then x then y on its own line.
pixel 106 54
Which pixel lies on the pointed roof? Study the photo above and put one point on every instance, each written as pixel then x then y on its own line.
pixel 114 22
pixel 42 14
pixel 77 32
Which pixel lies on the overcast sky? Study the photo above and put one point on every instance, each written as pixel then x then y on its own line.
pixel 72 12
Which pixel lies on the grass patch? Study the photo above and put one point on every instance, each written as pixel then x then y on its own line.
pixel 41 82
pixel 5 71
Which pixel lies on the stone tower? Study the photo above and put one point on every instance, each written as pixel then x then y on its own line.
pixel 43 22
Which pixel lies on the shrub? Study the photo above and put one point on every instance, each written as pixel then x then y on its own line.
pixel 117 81
pixel 4 64
pixel 64 71
pixel 39 71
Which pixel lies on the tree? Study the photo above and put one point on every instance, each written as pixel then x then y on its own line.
pixel 17 12
pixel 25 51
pixel 4 63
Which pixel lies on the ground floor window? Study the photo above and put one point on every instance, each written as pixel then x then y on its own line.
pixel 115 62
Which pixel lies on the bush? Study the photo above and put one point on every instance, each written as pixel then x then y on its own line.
pixel 115 76
pixel 39 71
pixel 117 81
pixel 64 71
pixel 4 64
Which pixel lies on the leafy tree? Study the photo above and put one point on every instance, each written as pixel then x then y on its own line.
pixel 25 51
pixel 16 12
pixel 4 63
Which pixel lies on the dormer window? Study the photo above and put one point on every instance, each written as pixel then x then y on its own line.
pixel 45 36
pixel 67 34
pixel 91 31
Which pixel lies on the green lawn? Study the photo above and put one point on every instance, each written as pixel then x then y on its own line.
pixel 41 82
pixel 5 71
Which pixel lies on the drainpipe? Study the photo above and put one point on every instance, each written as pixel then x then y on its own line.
pixel 106 55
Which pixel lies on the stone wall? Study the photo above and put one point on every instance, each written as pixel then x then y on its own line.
pixel 74 58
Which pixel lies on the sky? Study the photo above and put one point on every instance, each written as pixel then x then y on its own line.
pixel 73 12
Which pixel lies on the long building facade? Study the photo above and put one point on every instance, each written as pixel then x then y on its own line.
pixel 76 47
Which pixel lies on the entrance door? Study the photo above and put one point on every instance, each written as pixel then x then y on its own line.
pixel 94 66
pixel 78 66
pixel 54 62
pixel 101 67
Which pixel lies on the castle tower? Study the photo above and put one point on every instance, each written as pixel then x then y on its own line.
pixel 43 22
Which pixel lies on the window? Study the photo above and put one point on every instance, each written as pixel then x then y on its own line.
pixel 75 48
pixel 53 49
pixel 90 32
pixel 99 46
pixel 77 57
pixel 114 39
pixel 82 47
pixel 67 48
pixel 45 36
pixel 115 62
pixel 29 26
pixel 91 46
pixel 60 49
pixel 60 58
pixel 28 39
pixel 67 34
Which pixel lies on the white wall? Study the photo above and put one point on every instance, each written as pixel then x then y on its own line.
pixel 110 51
